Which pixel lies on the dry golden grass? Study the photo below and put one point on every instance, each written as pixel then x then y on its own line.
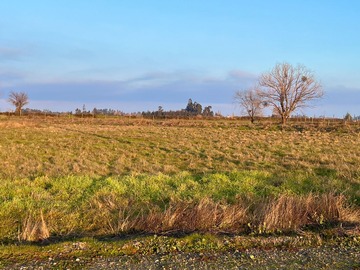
pixel 283 214
pixel 102 147
pixel 292 213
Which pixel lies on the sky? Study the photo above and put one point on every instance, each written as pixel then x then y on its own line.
pixel 136 55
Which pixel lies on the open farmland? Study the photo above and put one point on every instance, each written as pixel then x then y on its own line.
pixel 71 177
pixel 106 147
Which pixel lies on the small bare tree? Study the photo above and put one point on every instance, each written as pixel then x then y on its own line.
pixel 250 102
pixel 19 100
pixel 287 88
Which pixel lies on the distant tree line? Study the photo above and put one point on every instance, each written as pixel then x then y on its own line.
pixel 76 113
pixel 192 109
pixel 284 89
pixel 45 112
pixel 96 111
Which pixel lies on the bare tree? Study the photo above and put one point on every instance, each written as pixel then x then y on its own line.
pixel 19 100
pixel 250 101
pixel 287 88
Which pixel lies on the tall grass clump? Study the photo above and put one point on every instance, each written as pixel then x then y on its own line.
pixel 293 212
pixel 34 228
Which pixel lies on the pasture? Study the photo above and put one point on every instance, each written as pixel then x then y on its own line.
pixel 64 177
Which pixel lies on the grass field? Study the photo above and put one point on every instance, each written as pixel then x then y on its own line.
pixel 65 177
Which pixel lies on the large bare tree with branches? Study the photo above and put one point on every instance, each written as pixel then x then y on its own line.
pixel 250 101
pixel 287 88
pixel 19 100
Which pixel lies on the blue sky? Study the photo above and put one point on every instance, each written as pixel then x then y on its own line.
pixel 136 55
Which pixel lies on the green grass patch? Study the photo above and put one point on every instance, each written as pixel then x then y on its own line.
pixel 91 206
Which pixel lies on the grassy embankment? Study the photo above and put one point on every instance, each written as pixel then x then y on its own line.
pixel 92 177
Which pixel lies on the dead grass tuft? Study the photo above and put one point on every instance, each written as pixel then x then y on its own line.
pixel 293 212
pixel 204 216
pixel 34 228
pixel 108 217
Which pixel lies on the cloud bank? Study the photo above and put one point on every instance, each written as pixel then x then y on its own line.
pixel 168 89
pixel 152 88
